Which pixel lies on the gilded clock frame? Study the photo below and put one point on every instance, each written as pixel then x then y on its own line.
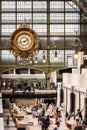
pixel 34 45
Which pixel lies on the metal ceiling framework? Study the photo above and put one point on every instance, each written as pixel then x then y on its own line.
pixel 47 68
pixel 82 4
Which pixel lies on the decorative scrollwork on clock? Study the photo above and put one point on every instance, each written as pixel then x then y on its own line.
pixel 24 41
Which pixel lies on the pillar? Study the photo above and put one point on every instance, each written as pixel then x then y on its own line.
pixel 61 95
pixel 72 101
pixel 85 100
pixel 48 80
pixel 0 80
pixel 80 59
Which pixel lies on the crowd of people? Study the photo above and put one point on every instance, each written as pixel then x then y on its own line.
pixel 43 112
pixel 23 85
pixel 49 114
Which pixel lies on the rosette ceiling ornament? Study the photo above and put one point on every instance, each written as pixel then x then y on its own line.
pixel 24 41
pixel 77 44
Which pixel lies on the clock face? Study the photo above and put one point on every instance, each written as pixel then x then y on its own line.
pixel 24 42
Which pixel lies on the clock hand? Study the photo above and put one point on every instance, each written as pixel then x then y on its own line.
pixel 23 40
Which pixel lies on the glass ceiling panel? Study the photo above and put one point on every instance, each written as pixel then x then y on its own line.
pixel 8 17
pixel 7 29
pixel 24 6
pixel 57 6
pixel 39 18
pixel 39 6
pixel 7 5
pixel 56 18
pixel 24 17
pixel 51 20
pixel 41 29
pixel 7 56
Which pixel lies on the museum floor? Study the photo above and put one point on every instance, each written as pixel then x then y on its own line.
pixel 34 127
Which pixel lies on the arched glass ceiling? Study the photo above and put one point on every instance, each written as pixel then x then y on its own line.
pixel 54 21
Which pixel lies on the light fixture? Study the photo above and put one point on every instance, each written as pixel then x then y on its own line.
pixel 77 47
pixel 75 56
pixel 22 61
pixel 36 60
pixel 44 59
pixel 55 57
pixel 30 60
pixel 55 53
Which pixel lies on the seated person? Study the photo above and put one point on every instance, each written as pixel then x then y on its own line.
pixel 78 116
pixel 71 115
pixel 57 124
pixel 78 128
pixel 79 113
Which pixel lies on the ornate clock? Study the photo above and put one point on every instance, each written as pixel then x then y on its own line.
pixel 24 41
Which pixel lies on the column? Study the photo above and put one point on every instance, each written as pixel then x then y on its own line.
pixel 1 114
pixel 72 101
pixel 80 59
pixel 48 74
pixel 58 94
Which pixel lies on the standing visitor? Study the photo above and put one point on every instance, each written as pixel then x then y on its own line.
pixel 7 121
